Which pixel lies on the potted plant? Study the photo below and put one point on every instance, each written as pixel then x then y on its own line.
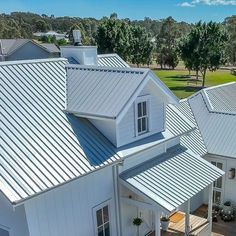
pixel 137 222
pixel 165 220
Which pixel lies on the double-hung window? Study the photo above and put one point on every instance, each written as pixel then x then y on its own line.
pixel 103 221
pixel 218 185
pixel 142 117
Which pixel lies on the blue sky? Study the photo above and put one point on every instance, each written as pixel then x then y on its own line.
pixel 181 10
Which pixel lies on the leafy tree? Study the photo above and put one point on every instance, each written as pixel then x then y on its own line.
pixel 230 24
pixel 141 46
pixel 204 48
pixel 166 42
pixel 41 26
pixel 113 37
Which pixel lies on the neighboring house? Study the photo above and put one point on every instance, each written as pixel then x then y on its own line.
pixel 213 111
pixel 25 49
pixel 85 149
pixel 52 34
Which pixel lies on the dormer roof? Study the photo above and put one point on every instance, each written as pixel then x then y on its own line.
pixel 105 92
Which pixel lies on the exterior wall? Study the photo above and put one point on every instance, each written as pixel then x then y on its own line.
pixel 13 220
pixel 28 51
pixel 107 127
pixel 229 185
pixel 126 128
pixel 68 209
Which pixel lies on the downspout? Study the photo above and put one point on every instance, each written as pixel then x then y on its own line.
pixel 115 172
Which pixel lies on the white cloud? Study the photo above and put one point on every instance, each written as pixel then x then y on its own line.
pixel 186 4
pixel 208 2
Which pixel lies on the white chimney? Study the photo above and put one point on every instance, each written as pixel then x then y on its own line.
pixel 77 38
pixel 84 55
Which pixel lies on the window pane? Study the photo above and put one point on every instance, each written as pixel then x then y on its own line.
pixel 144 109
pixel 219 183
pixel 216 196
pixel 100 231
pixel 144 128
pixel 99 217
pixel 139 109
pixel 139 125
pixel 105 214
pixel 220 165
pixel 107 229
pixel 213 163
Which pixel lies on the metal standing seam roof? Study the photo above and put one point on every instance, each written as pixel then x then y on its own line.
pixel 99 91
pixel 50 47
pixel 172 178
pixel 41 145
pixel 221 98
pixel 218 129
pixel 111 60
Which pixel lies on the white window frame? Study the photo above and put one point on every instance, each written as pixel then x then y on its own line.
pixel 145 98
pixel 215 188
pixel 95 209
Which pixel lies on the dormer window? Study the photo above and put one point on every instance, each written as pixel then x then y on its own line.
pixel 142 125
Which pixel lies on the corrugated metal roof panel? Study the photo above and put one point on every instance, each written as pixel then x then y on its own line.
pixel 222 98
pixel 218 130
pixel 111 60
pixel 41 146
pixel 172 178
pixel 98 91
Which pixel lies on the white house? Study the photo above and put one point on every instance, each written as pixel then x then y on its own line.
pixel 86 148
pixel 213 111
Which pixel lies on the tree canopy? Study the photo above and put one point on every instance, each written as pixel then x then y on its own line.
pixel 204 48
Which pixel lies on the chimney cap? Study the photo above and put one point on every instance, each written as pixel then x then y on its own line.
pixel 77 37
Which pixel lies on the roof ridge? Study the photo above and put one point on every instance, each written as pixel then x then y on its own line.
pixel 219 85
pixel 110 69
pixel 31 61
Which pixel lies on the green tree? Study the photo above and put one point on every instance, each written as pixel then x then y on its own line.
pixel 204 48
pixel 113 36
pixel 141 46
pixel 166 42
pixel 230 24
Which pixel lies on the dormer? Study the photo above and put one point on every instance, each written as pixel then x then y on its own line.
pixel 125 104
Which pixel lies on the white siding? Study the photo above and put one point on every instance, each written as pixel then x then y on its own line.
pixel 107 128
pixel 126 127
pixel 12 219
pixel 229 185
pixel 68 210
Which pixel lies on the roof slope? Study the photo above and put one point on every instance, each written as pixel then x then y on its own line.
pixel 8 46
pixel 50 47
pixel 189 175
pixel 41 146
pixel 213 111
pixel 106 91
pixel 222 98
pixel 111 60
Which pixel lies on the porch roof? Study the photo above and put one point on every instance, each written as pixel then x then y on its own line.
pixel 172 178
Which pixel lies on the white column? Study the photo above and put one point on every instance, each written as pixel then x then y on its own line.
pixel 210 202
pixel 187 218
pixel 157 223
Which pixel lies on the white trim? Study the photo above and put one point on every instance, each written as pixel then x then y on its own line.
pixel 98 207
pixel 140 99
pixel 6 229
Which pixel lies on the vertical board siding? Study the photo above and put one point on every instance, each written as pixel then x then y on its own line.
pixel 126 127
pixel 68 210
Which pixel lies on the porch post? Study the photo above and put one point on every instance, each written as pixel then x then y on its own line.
pixel 187 219
pixel 210 202
pixel 157 223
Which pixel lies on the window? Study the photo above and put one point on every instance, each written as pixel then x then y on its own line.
pixel 142 117
pixel 103 223
pixel 217 185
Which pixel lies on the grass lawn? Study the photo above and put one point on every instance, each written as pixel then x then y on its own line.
pixel 176 80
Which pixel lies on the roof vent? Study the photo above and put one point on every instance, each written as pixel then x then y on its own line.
pixel 77 38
